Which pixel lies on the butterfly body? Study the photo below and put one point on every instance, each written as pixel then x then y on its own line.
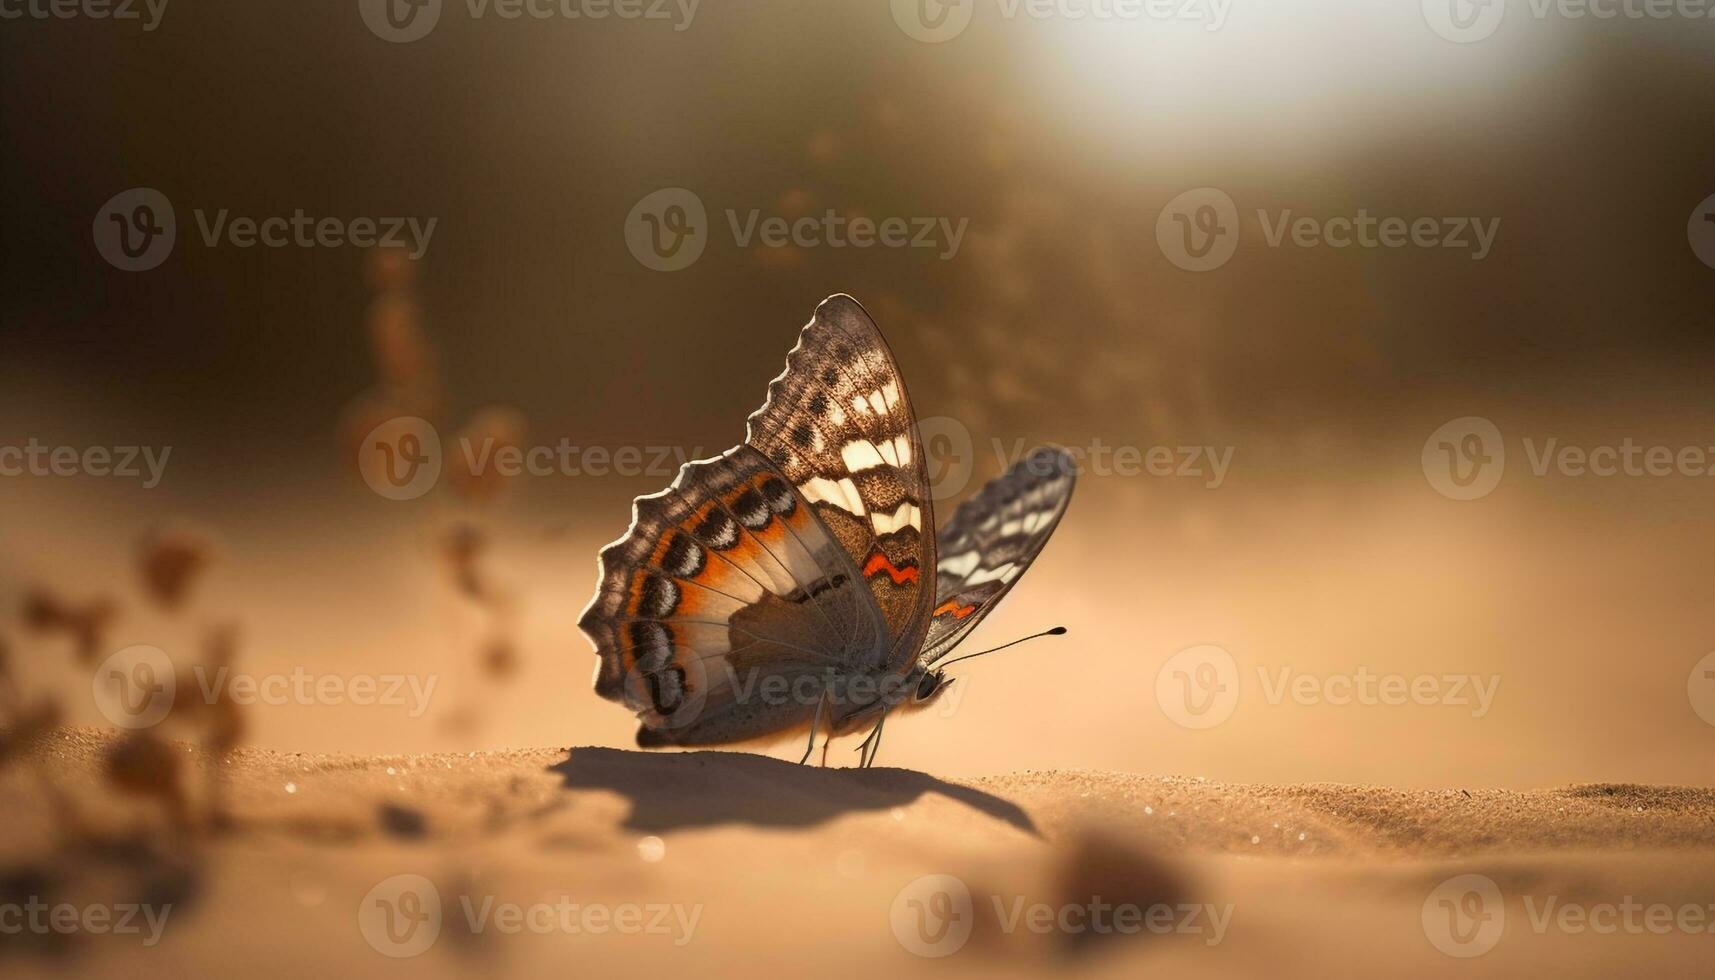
pixel 793 581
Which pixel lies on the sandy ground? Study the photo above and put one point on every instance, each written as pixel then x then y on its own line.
pixel 720 863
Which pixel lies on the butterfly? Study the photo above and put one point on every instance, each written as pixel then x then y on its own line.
pixel 783 584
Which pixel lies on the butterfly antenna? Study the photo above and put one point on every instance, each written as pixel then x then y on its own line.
pixel 1056 631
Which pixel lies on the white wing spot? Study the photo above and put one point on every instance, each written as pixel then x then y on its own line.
pixel 960 565
pixel 1002 572
pixel 842 493
pixel 907 514
pixel 860 455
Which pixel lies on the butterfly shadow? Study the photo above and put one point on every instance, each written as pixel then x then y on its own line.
pixel 678 790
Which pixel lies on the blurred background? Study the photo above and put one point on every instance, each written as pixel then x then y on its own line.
pixel 1057 146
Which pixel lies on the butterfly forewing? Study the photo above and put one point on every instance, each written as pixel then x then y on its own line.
pixel 992 538
pixel 838 423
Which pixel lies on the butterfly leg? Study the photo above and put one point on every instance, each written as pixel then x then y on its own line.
pixel 871 745
pixel 815 723
pixel 875 750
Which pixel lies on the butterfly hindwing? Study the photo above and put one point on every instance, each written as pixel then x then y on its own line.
pixel 838 423
pixel 724 579
pixel 992 538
